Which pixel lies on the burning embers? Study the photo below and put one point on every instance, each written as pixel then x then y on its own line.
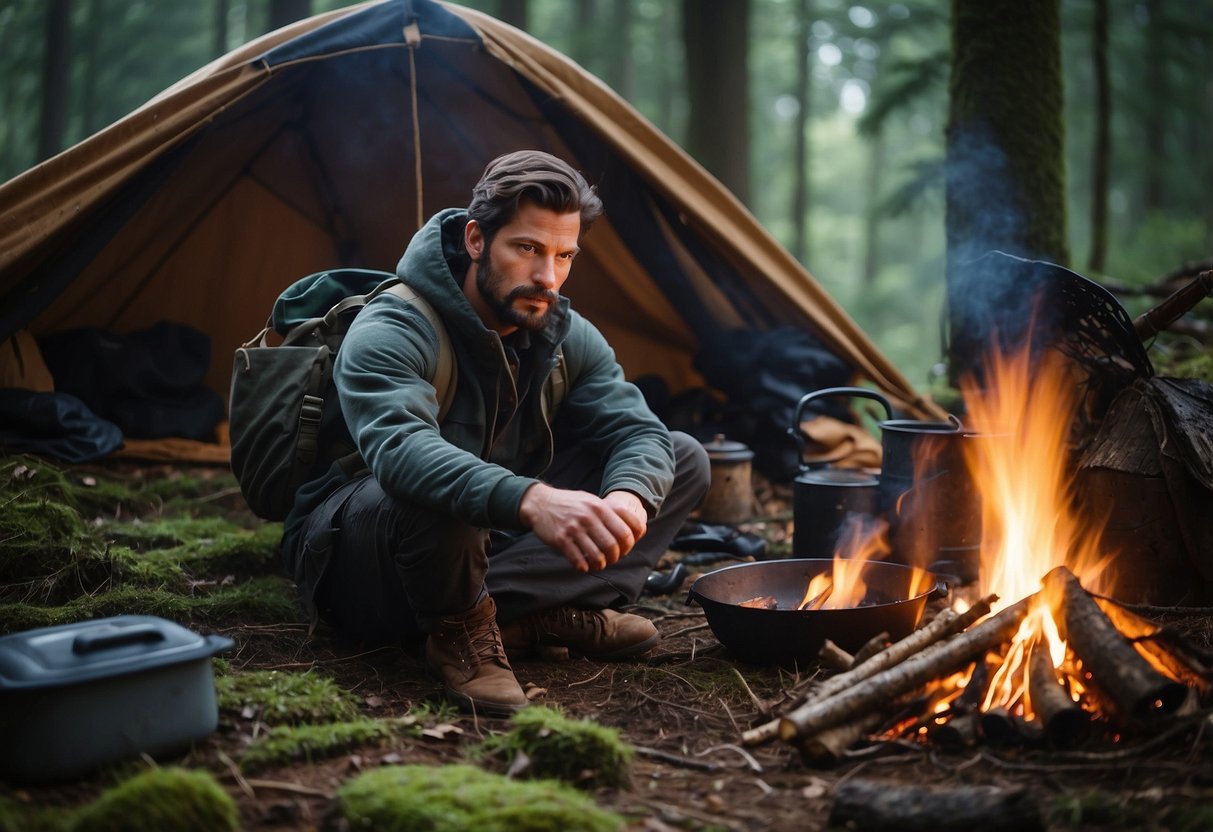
pixel 1039 658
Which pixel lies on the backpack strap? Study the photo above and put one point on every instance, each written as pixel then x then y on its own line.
pixel 444 374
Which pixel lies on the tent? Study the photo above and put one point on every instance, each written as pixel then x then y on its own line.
pixel 328 142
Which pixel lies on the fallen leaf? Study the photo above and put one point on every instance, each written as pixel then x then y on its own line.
pixel 248 712
pixel 519 765
pixel 441 732
pixel 374 701
pixel 817 788
pixel 88 481
pixel 534 692
pixel 392 758
pixel 715 802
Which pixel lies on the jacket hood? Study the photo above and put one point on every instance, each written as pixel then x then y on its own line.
pixel 434 264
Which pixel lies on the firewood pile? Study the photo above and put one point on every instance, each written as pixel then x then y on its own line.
pixel 978 676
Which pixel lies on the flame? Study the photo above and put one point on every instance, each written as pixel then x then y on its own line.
pixel 843 586
pixel 1018 458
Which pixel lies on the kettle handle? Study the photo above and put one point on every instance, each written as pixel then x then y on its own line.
pixel 854 392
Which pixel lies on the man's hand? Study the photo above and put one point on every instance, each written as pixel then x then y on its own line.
pixel 591 532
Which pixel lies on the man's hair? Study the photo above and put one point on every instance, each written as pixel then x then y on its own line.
pixel 536 177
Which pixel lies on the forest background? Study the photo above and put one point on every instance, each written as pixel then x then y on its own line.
pixel 828 119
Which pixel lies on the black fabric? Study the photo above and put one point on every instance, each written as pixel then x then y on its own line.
pixel 57 425
pixel 149 383
pixel 763 376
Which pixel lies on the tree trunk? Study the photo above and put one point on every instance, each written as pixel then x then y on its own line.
pixel 716 38
pixel 285 12
pixel 1158 100
pixel 1005 144
pixel 871 235
pixel 219 43
pixel 1102 157
pixel 56 73
pixel 517 13
pixel 91 64
pixel 800 163
pixel 620 70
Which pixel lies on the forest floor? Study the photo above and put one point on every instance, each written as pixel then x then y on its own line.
pixel 682 708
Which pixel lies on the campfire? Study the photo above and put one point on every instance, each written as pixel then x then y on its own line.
pixel 1039 653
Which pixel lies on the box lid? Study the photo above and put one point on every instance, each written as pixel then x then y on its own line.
pixel 91 650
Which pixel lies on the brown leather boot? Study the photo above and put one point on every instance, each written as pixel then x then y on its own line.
pixel 595 634
pixel 467 656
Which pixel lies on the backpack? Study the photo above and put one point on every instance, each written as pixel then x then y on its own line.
pixel 278 393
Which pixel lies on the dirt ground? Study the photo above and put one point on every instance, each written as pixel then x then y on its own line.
pixel 684 708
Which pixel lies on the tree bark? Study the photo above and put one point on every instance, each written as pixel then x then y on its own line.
pixel 219 35
pixel 935 662
pixel 56 75
pixel 943 625
pixel 517 13
pixel 285 12
pixel 1117 674
pixel 1065 724
pixel 1158 104
pixel 1005 170
pixel 716 39
pixel 871 805
pixel 802 184
pixel 620 69
pixel 1101 158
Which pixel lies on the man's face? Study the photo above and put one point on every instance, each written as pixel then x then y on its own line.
pixel 518 277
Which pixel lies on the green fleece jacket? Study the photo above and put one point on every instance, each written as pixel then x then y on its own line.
pixel 497 438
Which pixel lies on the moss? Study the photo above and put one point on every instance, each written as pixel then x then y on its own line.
pixel 21 816
pixel 242 552
pixel 279 698
pixel 580 752
pixel 1196 816
pixel 160 798
pixel 307 743
pixel 1094 808
pixel 164 532
pixel 459 797
pixel 48 553
pixel 261 600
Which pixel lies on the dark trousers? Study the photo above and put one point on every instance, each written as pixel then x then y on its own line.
pixel 395 568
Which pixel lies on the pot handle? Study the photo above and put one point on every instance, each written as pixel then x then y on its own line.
pixel 853 392
pixel 118 637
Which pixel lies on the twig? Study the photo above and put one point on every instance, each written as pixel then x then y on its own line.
pixel 693 628
pixel 674 759
pixel 590 679
pixel 754 765
pixel 758 703
pixel 234 770
pixel 678 705
pixel 297 788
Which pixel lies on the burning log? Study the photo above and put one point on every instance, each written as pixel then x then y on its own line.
pixel 959 730
pixel 935 662
pixel 1167 650
pixel 1001 727
pixel 1065 724
pixel 861 804
pixel 1131 687
pixel 943 625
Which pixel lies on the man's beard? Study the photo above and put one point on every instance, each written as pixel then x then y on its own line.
pixel 488 282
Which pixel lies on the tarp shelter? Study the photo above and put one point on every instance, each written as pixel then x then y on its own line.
pixel 328 142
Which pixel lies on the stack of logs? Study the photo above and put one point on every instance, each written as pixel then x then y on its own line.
pixel 1133 673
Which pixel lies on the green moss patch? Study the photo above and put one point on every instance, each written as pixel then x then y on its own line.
pixel 48 543
pixel 259 600
pixel 458 797
pixel 161 798
pixel 579 752
pixel 307 743
pixel 27 817
pixel 281 698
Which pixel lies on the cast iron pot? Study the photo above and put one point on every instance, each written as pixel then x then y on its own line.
pixel 786 634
